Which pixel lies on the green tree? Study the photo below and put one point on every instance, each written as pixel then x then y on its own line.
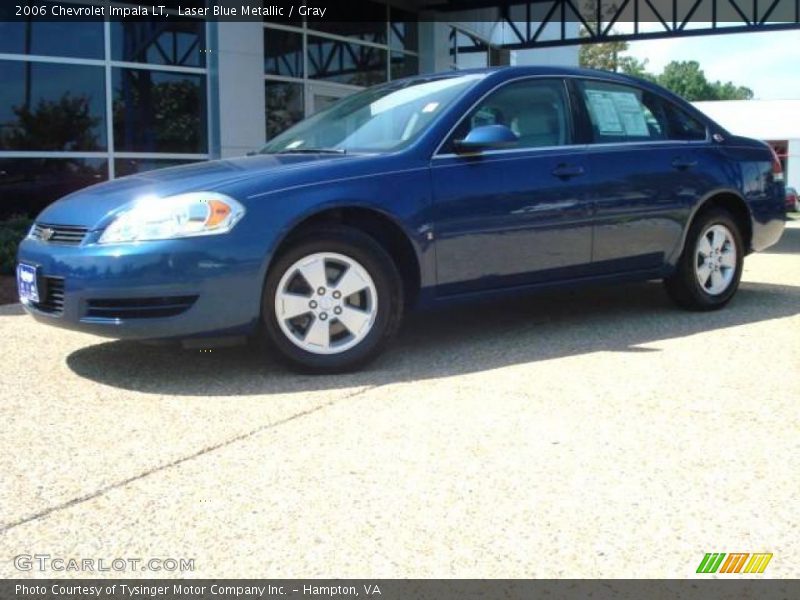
pixel 603 55
pixel 630 65
pixel 687 79
pixel 730 91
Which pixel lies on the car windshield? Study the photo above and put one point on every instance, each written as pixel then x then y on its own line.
pixel 380 119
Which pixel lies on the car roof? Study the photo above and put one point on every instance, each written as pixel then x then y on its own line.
pixel 500 74
pixel 521 71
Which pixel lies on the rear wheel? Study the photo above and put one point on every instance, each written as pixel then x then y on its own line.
pixel 332 301
pixel 710 267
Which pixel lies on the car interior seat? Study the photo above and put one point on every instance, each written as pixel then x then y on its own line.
pixel 538 125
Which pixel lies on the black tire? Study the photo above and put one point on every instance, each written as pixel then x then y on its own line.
pixel 362 248
pixel 683 285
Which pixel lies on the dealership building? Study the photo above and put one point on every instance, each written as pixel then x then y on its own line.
pixel 82 102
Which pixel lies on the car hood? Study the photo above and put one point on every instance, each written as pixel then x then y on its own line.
pixel 93 206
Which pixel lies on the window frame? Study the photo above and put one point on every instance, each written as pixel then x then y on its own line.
pixel 587 131
pixel 444 148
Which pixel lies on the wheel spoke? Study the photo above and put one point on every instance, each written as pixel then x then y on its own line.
pixel 728 259
pixel 718 239
pixel 703 273
pixel 293 305
pixel 350 283
pixel 717 281
pixel 354 319
pixel 313 272
pixel 704 246
pixel 319 333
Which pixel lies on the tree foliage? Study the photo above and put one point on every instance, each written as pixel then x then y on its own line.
pixel 685 78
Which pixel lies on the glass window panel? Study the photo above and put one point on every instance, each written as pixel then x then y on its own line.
pixel 681 125
pixel 536 111
pixel 131 166
pixel 404 65
pixel 371 26
pixel 403 32
pixel 171 41
pixel 77 39
pixel 27 185
pixel 46 106
pixel 345 62
pixel 284 106
pixel 365 31
pixel 620 113
pixel 283 53
pixel 159 111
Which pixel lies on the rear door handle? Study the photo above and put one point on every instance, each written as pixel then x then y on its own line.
pixel 683 164
pixel 568 171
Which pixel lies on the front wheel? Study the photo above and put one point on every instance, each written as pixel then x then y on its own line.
pixel 332 301
pixel 709 270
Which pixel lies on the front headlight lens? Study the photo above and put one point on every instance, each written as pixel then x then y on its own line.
pixel 184 215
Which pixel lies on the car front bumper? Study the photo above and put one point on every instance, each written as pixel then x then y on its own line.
pixel 176 289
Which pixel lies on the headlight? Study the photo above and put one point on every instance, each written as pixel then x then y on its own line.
pixel 184 215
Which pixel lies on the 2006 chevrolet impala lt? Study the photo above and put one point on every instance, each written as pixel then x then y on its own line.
pixel 409 194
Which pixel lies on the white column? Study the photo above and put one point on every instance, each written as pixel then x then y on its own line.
pixel 242 105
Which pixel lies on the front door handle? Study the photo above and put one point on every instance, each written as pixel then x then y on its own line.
pixel 565 171
pixel 682 164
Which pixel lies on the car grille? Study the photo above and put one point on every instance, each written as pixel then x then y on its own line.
pixel 139 308
pixel 51 291
pixel 59 234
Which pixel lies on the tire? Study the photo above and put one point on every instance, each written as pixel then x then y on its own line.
pixel 318 341
pixel 724 271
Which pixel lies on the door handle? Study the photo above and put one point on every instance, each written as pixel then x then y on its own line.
pixel 682 164
pixel 565 171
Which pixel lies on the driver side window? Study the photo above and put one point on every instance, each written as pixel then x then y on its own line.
pixel 535 110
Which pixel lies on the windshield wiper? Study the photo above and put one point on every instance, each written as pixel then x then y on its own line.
pixel 313 151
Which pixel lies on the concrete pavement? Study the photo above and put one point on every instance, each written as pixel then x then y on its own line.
pixel 593 433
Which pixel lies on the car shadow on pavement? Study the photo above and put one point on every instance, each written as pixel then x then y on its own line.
pixel 445 342
pixel 12 310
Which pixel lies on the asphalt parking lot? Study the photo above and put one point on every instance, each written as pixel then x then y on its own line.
pixel 593 433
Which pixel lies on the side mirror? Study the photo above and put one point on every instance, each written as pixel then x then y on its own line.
pixel 486 137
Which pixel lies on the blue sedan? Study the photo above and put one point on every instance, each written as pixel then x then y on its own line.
pixel 408 194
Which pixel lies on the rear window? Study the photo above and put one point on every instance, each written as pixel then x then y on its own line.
pixel 683 126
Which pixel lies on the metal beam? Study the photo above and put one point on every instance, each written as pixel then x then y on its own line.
pixel 527 20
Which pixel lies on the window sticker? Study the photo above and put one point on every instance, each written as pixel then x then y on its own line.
pixel 604 112
pixel 617 113
pixel 631 113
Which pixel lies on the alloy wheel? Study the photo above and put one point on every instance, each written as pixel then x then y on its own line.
pixel 715 259
pixel 326 303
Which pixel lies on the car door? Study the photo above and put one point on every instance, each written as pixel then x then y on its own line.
pixel 642 173
pixel 513 216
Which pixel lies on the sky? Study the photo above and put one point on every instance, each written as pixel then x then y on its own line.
pixel 766 62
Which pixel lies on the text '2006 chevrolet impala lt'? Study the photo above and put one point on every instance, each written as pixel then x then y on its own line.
pixel 408 194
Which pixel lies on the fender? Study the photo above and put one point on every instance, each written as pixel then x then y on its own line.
pixel 672 259
pixel 421 248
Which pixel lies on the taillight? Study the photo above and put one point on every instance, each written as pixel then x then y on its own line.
pixel 777 167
